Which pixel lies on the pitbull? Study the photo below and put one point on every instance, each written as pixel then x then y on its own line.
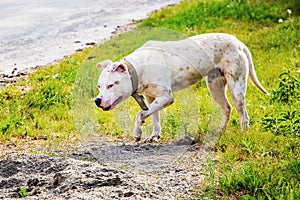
pixel 157 69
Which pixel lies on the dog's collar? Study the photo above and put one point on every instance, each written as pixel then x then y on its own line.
pixel 135 81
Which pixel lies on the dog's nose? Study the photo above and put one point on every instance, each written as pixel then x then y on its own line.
pixel 98 102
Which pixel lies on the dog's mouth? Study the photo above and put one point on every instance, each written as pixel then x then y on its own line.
pixel 118 100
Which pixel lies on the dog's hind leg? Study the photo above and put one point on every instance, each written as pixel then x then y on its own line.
pixel 216 85
pixel 238 98
pixel 237 85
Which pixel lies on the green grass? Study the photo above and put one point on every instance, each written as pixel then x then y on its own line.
pixel 262 163
pixel 46 110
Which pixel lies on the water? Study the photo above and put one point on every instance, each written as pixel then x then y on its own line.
pixel 36 33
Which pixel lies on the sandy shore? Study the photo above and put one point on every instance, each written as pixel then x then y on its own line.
pixel 36 33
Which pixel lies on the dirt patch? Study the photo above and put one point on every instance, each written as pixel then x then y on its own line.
pixel 6 79
pixel 105 171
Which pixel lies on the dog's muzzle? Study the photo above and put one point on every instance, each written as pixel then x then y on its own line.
pixel 98 102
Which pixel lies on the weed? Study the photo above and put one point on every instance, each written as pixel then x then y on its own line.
pixel 285 123
pixel 261 181
pixel 248 146
pixel 209 185
pixel 286 119
pixel 171 125
pixel 22 192
pixel 288 89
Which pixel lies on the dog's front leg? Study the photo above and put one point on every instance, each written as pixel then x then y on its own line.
pixel 160 102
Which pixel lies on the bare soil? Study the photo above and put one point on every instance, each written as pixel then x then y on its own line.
pixel 106 170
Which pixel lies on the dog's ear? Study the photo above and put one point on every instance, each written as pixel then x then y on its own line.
pixel 104 63
pixel 119 68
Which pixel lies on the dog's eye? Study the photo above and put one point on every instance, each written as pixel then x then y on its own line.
pixel 110 86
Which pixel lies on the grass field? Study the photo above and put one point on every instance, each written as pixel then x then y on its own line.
pixel 262 163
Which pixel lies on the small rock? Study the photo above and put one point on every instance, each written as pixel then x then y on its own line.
pixel 14 70
pixel 186 140
pixel 90 43
pixel 178 170
pixel 33 182
pixel 112 182
pixel 57 179
pixel 128 194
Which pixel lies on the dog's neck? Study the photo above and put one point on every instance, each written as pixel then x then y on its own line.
pixel 135 81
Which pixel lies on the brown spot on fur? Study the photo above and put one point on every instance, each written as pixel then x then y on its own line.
pixel 227 61
pixel 117 82
pixel 181 69
pixel 192 74
pixel 145 87
pixel 187 67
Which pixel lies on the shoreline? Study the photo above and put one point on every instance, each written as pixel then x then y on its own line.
pixel 34 41
pixel 11 78
pixel 16 75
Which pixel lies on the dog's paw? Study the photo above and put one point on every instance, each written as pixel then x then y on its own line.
pixel 137 133
pixel 152 138
pixel 137 139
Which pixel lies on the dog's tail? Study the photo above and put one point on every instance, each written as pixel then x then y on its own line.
pixel 252 73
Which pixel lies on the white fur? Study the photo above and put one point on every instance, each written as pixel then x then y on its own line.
pixel 166 67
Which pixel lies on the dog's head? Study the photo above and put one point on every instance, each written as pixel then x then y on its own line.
pixel 114 84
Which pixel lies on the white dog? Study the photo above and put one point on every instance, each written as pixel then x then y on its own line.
pixel 157 69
